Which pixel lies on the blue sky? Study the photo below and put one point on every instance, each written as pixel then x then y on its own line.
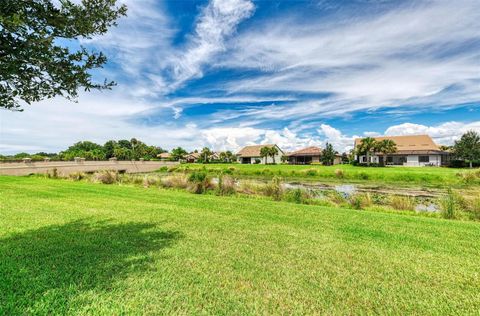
pixel 226 73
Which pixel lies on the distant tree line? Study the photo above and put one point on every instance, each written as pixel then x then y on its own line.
pixel 132 149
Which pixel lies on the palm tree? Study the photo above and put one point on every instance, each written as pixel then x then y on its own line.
pixel 273 152
pixel 206 153
pixel 386 146
pixel 264 153
pixel 367 146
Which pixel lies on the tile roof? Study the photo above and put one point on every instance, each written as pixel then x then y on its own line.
pixel 308 151
pixel 254 150
pixel 409 143
pixel 164 155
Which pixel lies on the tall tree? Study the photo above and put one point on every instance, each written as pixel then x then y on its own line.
pixel 265 153
pixel 468 147
pixel 328 155
pixel 34 65
pixel 178 153
pixel 109 148
pixel 273 151
pixel 226 156
pixel 366 147
pixel 385 147
pixel 205 154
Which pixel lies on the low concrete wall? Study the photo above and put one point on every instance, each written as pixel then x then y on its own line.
pixel 64 168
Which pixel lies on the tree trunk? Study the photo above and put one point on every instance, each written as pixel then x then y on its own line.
pixel 368 158
pixel 471 164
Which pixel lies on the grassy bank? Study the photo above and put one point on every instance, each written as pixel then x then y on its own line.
pixel 77 247
pixel 408 176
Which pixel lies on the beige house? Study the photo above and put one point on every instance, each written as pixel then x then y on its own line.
pixel 251 154
pixel 309 155
pixel 164 156
pixel 192 157
pixel 412 150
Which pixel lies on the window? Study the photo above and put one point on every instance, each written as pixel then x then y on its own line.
pixel 390 159
pixel 423 158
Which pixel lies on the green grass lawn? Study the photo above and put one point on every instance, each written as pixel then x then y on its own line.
pixel 408 176
pixel 80 248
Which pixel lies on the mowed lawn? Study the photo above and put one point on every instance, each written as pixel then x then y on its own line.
pixel 80 248
pixel 416 176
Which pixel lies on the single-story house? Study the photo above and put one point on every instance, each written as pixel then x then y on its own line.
pixel 192 157
pixel 250 154
pixel 308 155
pixel 412 150
pixel 164 156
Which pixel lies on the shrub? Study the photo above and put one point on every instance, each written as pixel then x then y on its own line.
pixel 172 169
pixel 149 181
pixel 257 161
pixel 379 199
pixel 359 201
pixel 53 174
pixel 355 201
pixel 298 196
pixel 274 189
pixel 363 176
pixel 402 203
pixel 311 172
pixel 448 205
pixel 226 185
pixel 295 196
pixel 106 176
pixel 199 182
pixel 335 197
pixel 163 169
pixel 339 173
pixel 77 176
pixel 468 176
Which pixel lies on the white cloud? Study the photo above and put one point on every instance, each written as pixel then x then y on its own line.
pixel 443 134
pixel 218 20
pixel 230 138
pixel 138 47
pixel 411 55
pixel 339 141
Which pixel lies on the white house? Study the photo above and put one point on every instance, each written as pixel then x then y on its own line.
pixel 412 150
pixel 251 154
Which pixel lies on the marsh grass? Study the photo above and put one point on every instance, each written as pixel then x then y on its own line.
pixel 449 205
pixel 106 176
pixel 339 173
pixel 427 176
pixel 226 185
pixel 77 176
pixel 274 189
pixel 402 203
pixel 178 181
